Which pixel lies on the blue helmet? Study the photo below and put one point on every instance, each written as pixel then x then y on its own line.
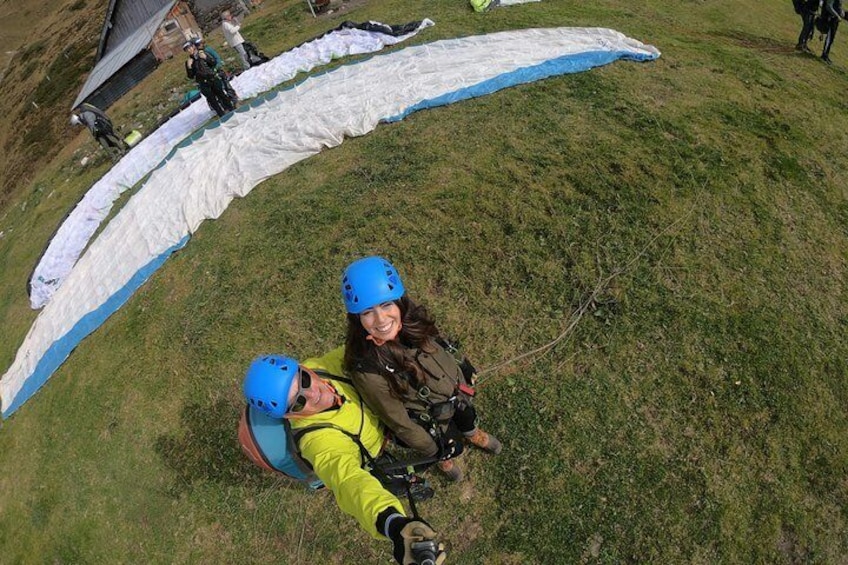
pixel 267 383
pixel 368 282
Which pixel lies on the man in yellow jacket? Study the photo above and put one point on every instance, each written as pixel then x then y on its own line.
pixel 282 388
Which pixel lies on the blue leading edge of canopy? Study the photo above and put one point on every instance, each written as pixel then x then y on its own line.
pixel 61 348
pixel 567 64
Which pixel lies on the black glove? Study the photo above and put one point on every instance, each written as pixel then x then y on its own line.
pixel 414 543
pixel 448 448
pixel 469 372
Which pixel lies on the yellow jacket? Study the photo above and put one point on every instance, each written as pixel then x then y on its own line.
pixel 336 458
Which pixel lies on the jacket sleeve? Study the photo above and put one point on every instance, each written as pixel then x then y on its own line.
pixel 376 393
pixel 336 460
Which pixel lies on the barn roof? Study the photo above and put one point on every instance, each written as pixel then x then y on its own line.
pixel 128 30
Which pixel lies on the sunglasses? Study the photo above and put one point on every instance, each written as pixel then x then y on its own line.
pixel 304 383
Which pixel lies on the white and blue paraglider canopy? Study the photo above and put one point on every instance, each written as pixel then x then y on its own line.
pixel 288 126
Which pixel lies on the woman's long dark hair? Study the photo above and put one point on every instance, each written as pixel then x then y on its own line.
pixel 418 331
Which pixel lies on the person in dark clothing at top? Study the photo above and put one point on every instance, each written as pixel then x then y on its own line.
pixel 100 126
pixel 807 9
pixel 200 66
pixel 218 67
pixel 832 12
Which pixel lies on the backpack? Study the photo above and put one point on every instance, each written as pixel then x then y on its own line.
pixel 254 55
pixel 261 441
pixel 483 5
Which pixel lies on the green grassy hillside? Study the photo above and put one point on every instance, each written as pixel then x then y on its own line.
pixel 667 241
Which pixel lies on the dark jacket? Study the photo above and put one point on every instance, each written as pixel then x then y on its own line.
pixel 832 9
pixel 203 67
pixel 443 376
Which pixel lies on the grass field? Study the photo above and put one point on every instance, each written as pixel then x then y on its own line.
pixel 671 236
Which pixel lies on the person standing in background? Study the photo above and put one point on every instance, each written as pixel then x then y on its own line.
pixel 807 9
pixel 201 67
pixel 100 126
pixel 832 12
pixel 231 28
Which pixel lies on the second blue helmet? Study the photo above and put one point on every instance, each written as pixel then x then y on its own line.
pixel 267 383
pixel 368 282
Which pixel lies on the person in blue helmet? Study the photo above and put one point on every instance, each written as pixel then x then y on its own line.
pixel 218 67
pixel 281 387
pixel 397 359
pixel 200 66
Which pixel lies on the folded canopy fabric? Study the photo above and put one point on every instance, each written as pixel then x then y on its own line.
pixel 79 226
pixel 205 173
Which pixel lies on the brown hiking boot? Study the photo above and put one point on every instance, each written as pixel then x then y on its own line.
pixel 484 441
pixel 450 469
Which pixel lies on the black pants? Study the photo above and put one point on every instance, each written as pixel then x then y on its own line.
pixel 832 26
pixel 109 140
pixel 216 96
pixel 807 29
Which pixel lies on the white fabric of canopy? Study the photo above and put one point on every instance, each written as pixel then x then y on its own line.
pixel 201 178
pixel 76 230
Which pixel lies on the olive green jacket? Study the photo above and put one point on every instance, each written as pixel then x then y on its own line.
pixel 443 375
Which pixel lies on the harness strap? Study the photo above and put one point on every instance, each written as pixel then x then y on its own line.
pixel 375 466
pixel 325 375
pixel 298 434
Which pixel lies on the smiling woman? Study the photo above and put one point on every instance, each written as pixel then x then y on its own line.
pixel 399 363
pixel 382 322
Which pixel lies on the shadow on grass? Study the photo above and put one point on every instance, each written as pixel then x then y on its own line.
pixel 760 43
pixel 207 449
